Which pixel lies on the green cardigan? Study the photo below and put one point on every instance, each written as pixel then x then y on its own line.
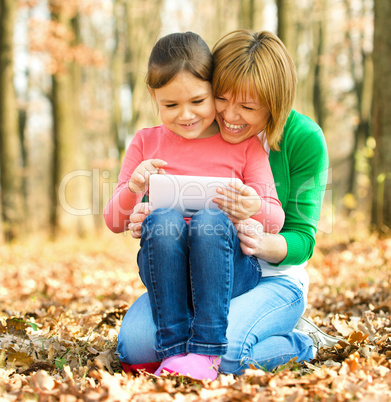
pixel 300 172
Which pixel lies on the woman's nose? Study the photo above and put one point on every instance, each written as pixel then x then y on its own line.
pixel 230 113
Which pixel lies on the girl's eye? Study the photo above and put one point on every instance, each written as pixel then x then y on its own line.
pixel 199 101
pixel 171 105
pixel 219 98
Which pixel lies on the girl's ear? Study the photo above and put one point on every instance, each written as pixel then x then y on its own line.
pixel 152 92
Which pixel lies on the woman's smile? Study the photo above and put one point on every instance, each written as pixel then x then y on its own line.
pixel 234 127
pixel 240 118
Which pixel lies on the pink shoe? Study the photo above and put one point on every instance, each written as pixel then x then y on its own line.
pixel 200 367
pixel 166 361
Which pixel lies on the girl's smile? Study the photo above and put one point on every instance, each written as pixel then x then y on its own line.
pixel 186 106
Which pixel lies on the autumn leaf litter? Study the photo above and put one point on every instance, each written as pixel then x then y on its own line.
pixel 62 305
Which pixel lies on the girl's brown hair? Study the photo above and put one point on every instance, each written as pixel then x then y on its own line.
pixel 257 64
pixel 178 52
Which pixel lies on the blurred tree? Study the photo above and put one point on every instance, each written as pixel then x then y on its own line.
pixel 223 16
pixel 69 192
pixel 300 28
pixel 143 21
pixel 12 202
pixel 218 17
pixel 119 129
pixel 320 39
pixel 247 14
pixel 361 70
pixel 321 79
pixel 287 22
pixel 381 118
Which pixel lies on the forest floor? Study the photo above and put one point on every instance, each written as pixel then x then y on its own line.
pixel 61 306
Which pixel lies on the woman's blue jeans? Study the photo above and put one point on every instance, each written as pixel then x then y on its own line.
pixel 191 272
pixel 260 328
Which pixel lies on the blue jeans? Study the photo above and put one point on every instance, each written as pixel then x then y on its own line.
pixel 191 272
pixel 260 328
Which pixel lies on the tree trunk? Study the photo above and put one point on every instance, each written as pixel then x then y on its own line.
pixel 318 95
pixel 381 119
pixel 213 19
pixel 361 70
pixel 143 28
pixel 287 23
pixel 10 147
pixel 300 27
pixel 247 14
pixel 118 75
pixel 70 212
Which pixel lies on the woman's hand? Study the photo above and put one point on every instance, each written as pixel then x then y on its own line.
pixel 250 233
pixel 254 241
pixel 242 201
pixel 140 212
pixel 139 181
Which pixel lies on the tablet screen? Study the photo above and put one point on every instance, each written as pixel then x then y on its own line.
pixel 186 194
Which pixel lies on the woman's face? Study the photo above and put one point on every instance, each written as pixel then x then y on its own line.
pixel 241 117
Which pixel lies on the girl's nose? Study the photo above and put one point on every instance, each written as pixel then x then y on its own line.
pixel 186 113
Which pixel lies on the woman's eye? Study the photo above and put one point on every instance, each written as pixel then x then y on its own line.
pixel 248 108
pixel 219 98
pixel 199 101
pixel 171 105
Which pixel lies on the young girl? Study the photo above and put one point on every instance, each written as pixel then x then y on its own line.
pixel 190 306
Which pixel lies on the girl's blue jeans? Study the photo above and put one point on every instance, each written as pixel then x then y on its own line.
pixel 260 329
pixel 191 272
pixel 260 325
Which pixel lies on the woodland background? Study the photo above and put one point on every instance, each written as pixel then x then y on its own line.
pixel 72 95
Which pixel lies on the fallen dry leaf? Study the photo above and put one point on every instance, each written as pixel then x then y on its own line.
pixel 62 305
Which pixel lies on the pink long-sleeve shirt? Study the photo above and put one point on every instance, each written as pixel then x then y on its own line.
pixel 210 156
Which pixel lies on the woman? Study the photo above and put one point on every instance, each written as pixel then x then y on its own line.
pixel 254 84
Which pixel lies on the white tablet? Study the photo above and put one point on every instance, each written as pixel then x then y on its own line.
pixel 186 194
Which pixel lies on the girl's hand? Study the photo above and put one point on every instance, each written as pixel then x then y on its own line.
pixel 140 212
pixel 139 181
pixel 242 203
pixel 250 233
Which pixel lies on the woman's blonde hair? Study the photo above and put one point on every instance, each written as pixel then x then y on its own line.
pixel 257 64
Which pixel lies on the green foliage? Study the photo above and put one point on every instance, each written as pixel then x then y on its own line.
pixel 61 361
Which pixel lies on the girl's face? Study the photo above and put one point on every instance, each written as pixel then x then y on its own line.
pixel 186 106
pixel 241 117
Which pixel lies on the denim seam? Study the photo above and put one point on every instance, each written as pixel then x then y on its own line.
pixel 208 345
pixel 171 347
pixel 291 355
pixel 153 282
pixel 192 298
pixel 255 263
pixel 228 278
pixel 227 238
